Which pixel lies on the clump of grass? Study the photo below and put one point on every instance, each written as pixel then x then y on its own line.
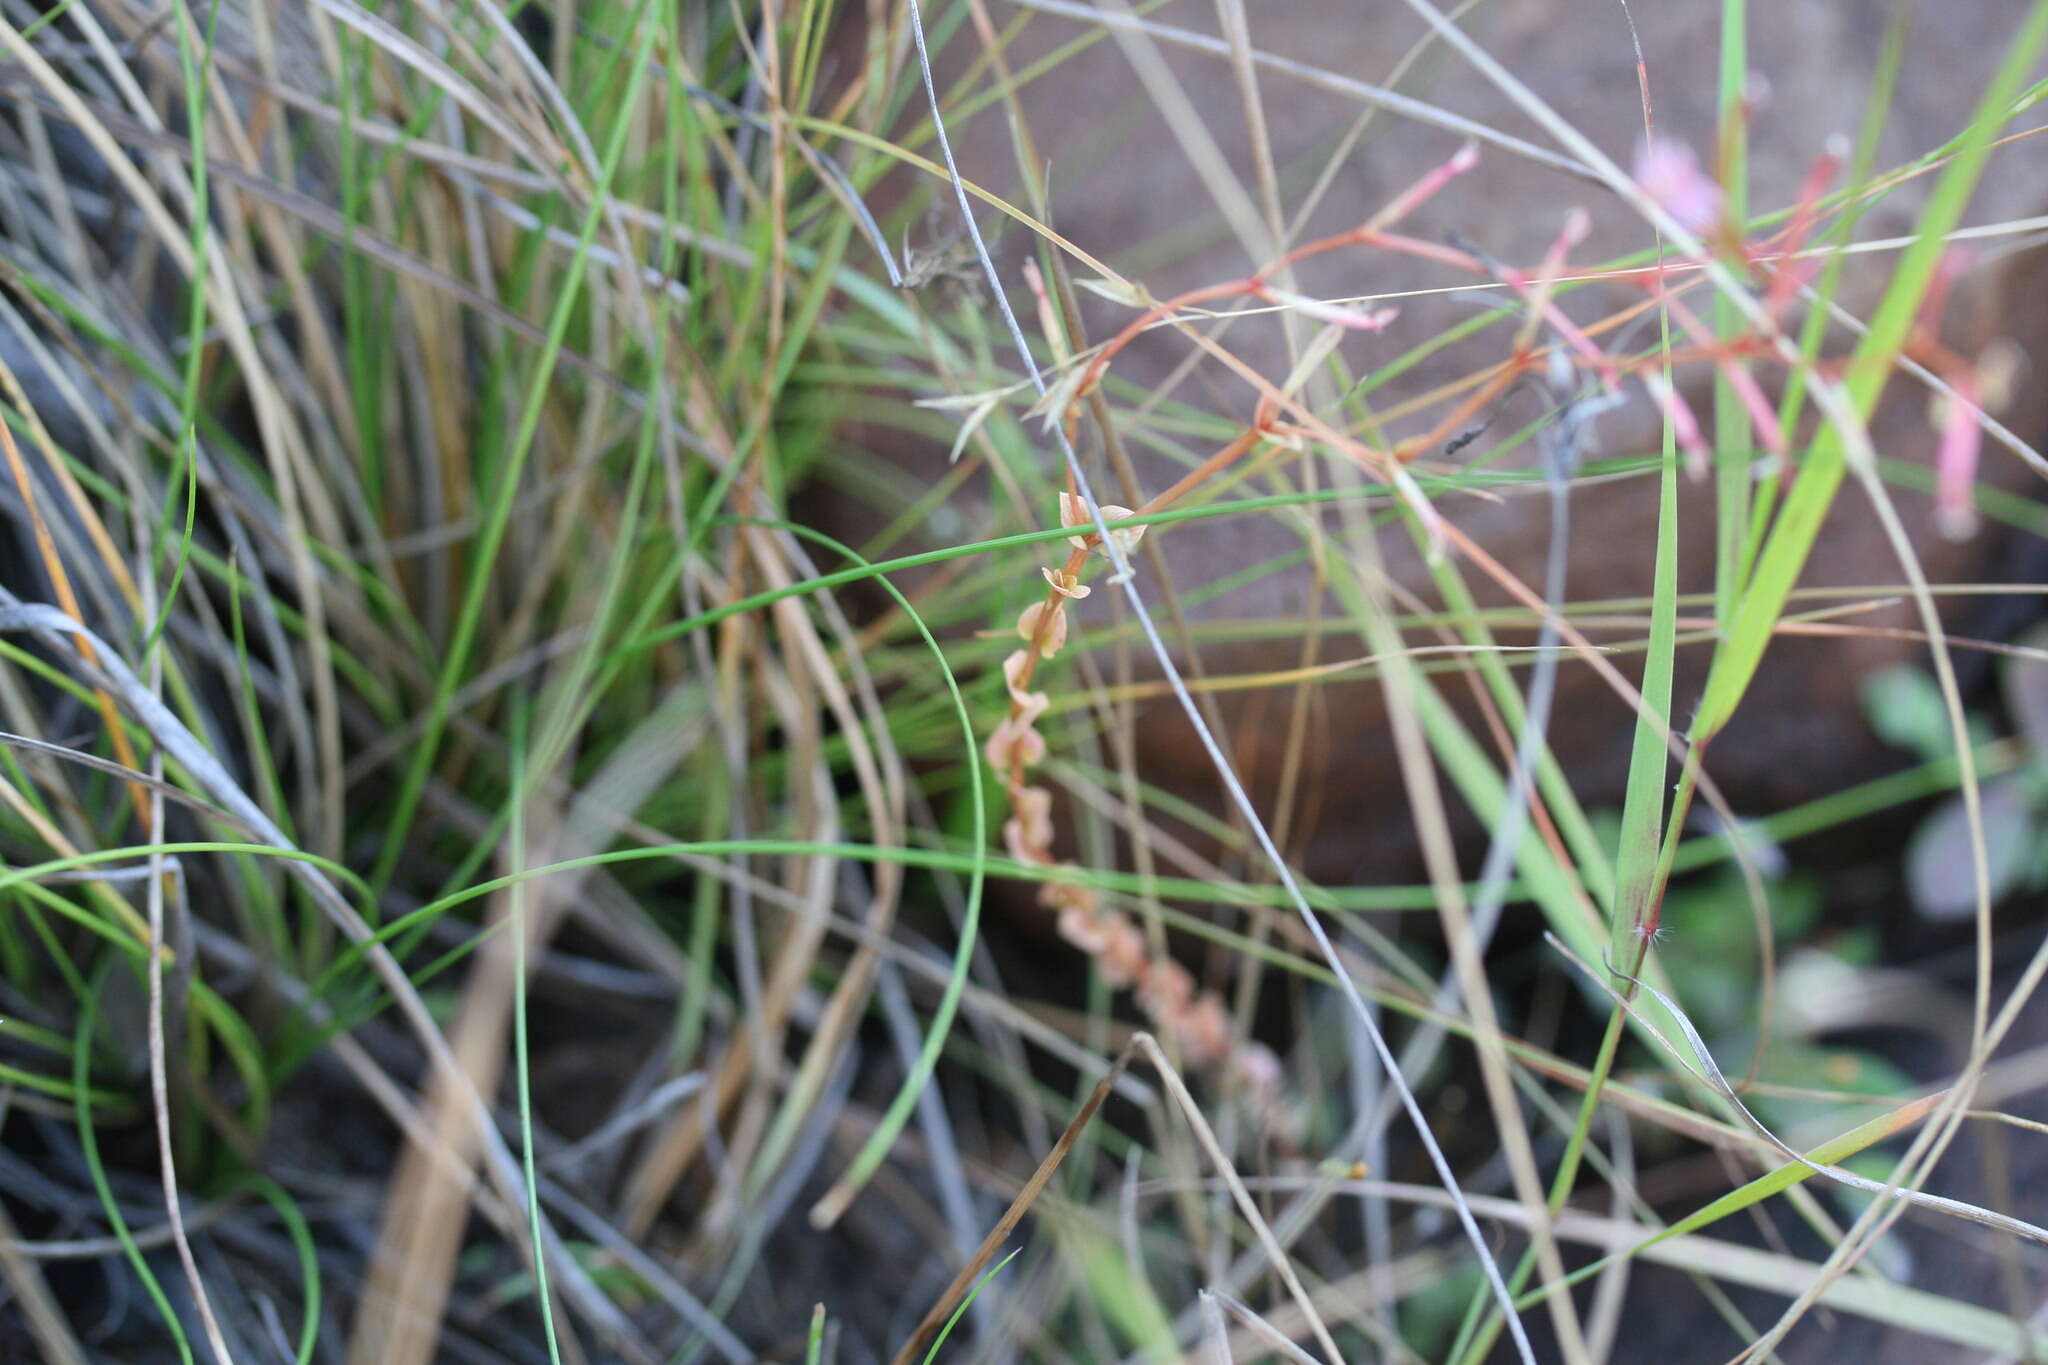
pixel 494 871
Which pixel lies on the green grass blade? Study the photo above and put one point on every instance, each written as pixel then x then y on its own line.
pixel 1820 476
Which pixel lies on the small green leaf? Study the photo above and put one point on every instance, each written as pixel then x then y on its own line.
pixel 1906 711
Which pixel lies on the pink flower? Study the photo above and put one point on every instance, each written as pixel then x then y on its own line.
pixel 1669 172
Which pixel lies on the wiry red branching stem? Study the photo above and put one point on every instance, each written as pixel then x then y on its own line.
pixel 1196 1019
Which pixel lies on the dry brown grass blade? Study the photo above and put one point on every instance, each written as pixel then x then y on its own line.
pixel 793 695
pixel 1145 1045
pixel 74 493
pixel 1728 1262
pixel 39 1306
pixel 1425 799
pixel 324 219
pixel 161 872
pixel 181 747
pixel 46 830
pixel 284 442
pixel 60 583
pixel 879 770
pixel 750 1052
pixel 411 1265
pixel 1048 1166
pixel 1276 1255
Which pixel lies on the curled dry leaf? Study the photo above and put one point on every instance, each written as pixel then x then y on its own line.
pixel 1074 512
pixel 1029 705
pixel 1014 841
pixel 1033 814
pixel 1129 293
pixel 1066 896
pixel 1055 630
pixel 1198 1022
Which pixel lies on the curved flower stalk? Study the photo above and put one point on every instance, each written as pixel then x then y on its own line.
pixel 1195 1019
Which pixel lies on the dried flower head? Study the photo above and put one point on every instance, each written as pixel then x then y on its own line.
pixel 1166 989
pixel 1122 959
pixel 1015 744
pixel 1067 896
pixel 1049 633
pixel 1082 928
pixel 1202 1028
pixel 1032 813
pixel 1066 585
